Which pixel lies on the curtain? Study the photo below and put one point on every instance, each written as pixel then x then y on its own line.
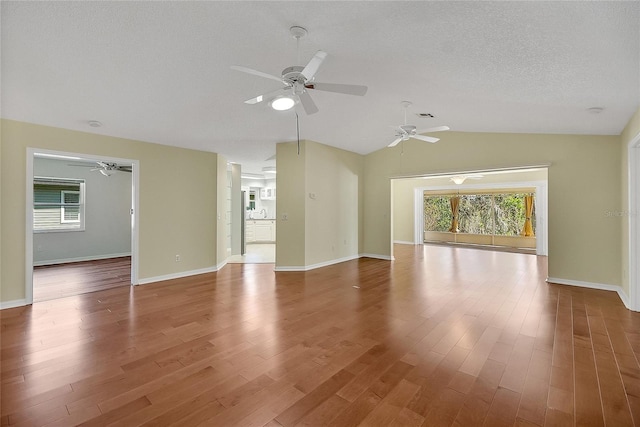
pixel 527 230
pixel 455 203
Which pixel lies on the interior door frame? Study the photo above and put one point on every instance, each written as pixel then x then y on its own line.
pixel 135 208
pixel 633 221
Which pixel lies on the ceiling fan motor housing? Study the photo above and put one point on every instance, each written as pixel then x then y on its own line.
pixel 410 129
pixel 293 74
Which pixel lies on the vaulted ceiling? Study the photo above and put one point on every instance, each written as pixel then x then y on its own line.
pixel 160 71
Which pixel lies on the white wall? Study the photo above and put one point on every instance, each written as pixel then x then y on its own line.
pixel 107 220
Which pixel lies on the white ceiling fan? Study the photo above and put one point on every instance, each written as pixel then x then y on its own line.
pixel 298 81
pixel 105 168
pixel 405 131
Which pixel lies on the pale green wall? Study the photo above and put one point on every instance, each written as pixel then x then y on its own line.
pixel 236 209
pixel 290 202
pixel 171 180
pixel 321 192
pixel 220 191
pixel 403 196
pixel 584 183
pixel 630 131
pixel 333 218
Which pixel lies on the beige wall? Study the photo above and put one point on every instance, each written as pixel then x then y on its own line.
pixel 220 191
pixel 630 131
pixel 584 174
pixel 290 204
pixel 403 195
pixel 236 209
pixel 170 180
pixel 321 192
pixel 333 203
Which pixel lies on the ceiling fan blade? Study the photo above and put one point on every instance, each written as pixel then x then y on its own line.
pixel 436 129
pixel 307 103
pixel 82 166
pixel 264 97
pixel 314 65
pixel 395 142
pixel 425 138
pixel 255 73
pixel 338 88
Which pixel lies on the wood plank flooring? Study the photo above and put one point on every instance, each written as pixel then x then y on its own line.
pixel 439 337
pixel 75 278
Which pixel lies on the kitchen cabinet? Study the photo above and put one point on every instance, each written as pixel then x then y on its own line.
pixel 260 230
pixel 268 193
pixel 250 232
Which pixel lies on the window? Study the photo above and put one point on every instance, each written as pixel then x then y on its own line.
pixel 58 204
pixel 499 213
pixel 474 214
pixel 70 207
pixel 437 213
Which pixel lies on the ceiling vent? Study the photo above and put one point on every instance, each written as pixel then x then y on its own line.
pixel 425 115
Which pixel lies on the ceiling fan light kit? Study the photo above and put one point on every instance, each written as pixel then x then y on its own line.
pixel 282 103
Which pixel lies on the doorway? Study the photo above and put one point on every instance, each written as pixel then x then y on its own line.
pixel 81 233
pixel 257 215
pixel 408 203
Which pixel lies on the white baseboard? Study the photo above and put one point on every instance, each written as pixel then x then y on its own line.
pixel 318 265
pixel 290 268
pixel 377 256
pixel 12 304
pixel 179 275
pixel 601 286
pixel 330 262
pixel 79 259
pixel 404 242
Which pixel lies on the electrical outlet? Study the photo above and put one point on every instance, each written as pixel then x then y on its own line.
pixel 177 258
pixel 285 217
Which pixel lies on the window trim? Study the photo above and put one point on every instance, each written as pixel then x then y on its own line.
pixel 64 204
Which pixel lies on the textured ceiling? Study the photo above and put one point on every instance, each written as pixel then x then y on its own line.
pixel 159 71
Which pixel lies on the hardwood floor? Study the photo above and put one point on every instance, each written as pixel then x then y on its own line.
pixel 439 337
pixel 75 278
